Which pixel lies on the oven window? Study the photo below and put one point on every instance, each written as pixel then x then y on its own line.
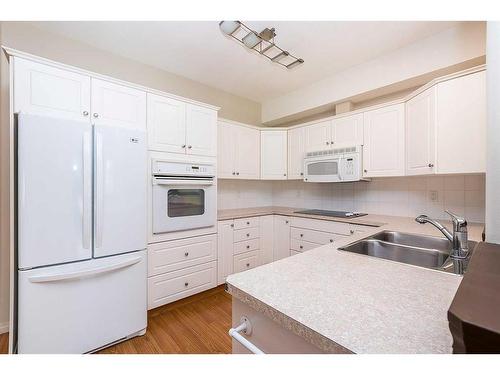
pixel 185 202
pixel 326 168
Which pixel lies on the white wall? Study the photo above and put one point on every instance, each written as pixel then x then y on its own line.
pixel 398 196
pixel 450 47
pixel 493 134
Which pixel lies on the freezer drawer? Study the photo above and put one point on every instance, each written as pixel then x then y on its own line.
pixel 79 307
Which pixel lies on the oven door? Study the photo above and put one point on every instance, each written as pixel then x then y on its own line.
pixel 322 170
pixel 183 203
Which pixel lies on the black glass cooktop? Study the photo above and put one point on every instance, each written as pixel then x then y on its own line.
pixel 344 214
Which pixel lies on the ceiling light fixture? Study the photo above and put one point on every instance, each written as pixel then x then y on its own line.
pixel 262 42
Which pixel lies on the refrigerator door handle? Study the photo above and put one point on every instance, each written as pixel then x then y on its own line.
pixel 83 273
pixel 99 190
pixel 87 189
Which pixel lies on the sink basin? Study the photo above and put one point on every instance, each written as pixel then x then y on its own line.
pixel 422 251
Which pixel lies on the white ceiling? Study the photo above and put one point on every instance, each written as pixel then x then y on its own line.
pixel 200 51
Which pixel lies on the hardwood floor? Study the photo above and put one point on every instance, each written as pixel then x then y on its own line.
pixel 193 325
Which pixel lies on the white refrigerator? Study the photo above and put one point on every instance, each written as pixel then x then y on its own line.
pixel 81 235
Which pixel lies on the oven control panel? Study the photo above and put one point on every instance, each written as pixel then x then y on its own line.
pixel 162 167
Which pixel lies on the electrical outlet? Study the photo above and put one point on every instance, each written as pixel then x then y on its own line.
pixel 433 195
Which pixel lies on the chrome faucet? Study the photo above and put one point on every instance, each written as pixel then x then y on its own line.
pixel 459 253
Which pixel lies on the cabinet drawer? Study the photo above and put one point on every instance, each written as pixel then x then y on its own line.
pixel 244 246
pixel 246 234
pixel 249 222
pixel 313 236
pixel 301 246
pixel 174 255
pixel 171 286
pixel 322 225
pixel 246 261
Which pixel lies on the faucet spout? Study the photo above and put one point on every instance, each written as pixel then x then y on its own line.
pixel 422 219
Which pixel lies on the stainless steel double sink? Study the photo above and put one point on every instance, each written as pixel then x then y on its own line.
pixel 422 251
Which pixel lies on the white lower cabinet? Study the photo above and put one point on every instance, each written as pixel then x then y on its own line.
pixel 281 237
pixel 180 268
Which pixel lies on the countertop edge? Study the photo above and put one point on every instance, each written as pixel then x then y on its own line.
pixel 323 343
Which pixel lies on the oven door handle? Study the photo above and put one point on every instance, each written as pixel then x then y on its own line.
pixel 157 181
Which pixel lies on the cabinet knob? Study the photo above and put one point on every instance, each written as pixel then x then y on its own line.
pixel 248 234
pixel 248 264
pixel 351 231
pixel 301 246
pixel 248 223
pixel 186 284
pixel 284 174
pixel 232 225
pixel 431 165
pixel 332 142
pixel 237 173
pixel 248 246
pixel 183 146
pixel 301 235
pixel 301 173
pixel 234 173
pixel 190 146
pixel 365 170
pixel 85 113
pixel 96 115
pixel 286 222
pixel 327 143
pixel 186 254
pixel 331 240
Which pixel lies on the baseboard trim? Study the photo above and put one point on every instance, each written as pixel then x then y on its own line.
pixel 4 327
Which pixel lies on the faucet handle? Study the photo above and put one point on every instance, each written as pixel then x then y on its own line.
pixel 458 221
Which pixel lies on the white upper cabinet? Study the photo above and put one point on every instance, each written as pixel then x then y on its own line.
pixel 238 153
pixel 446 127
pixel 318 136
pixel 179 127
pixel 420 133
pixel 273 146
pixel 201 130
pixel 383 151
pixel 45 90
pixel 118 105
pixel 296 152
pixel 166 124
pixel 461 124
pixel 347 131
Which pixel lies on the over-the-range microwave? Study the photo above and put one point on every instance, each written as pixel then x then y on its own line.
pixel 341 164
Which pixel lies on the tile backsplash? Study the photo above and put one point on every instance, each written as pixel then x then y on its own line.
pixel 399 196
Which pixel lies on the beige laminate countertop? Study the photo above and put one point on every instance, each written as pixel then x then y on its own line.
pixel 359 303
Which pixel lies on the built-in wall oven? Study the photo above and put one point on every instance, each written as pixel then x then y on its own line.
pixel 184 196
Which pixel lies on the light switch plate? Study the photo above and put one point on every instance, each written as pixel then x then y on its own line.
pixel 434 195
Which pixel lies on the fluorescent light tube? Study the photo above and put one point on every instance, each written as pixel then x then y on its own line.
pixel 251 40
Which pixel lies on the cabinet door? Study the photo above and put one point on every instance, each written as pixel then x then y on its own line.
pixel 226 146
pixel 224 250
pixel 247 153
pixel 348 130
pixel 273 154
pixel 383 151
pixel 296 151
pixel 318 136
pixel 44 90
pixel 461 124
pixel 281 237
pixel 118 105
pixel 420 133
pixel 266 233
pixel 166 124
pixel 201 130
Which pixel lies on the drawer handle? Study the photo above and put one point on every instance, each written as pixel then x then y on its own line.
pixel 248 246
pixel 248 264
pixel 301 246
pixel 186 283
pixel 186 254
